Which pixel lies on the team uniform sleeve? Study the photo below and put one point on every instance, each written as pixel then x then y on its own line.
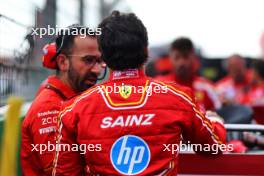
pixel 28 160
pixel 38 131
pixel 68 161
pixel 200 130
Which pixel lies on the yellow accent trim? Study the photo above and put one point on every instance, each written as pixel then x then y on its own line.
pixel 74 102
pixel 178 91
pixel 55 160
pixel 197 111
pixel 129 103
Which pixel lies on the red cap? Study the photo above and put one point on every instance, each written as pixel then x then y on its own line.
pixel 48 59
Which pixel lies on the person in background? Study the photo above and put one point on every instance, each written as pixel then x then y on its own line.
pixel 262 44
pixel 233 88
pixel 186 65
pixel 163 65
pixel 255 96
pixel 77 62
pixel 255 99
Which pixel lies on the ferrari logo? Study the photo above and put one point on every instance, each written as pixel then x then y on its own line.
pixel 199 95
pixel 125 91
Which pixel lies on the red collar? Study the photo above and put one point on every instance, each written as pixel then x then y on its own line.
pixel 61 88
pixel 126 74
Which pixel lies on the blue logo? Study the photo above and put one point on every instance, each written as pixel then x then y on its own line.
pixel 130 155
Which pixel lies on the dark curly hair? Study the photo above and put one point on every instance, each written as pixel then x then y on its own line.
pixel 183 45
pixel 123 41
pixel 65 39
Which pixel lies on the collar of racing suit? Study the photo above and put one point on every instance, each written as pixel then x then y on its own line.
pixel 127 74
pixel 55 84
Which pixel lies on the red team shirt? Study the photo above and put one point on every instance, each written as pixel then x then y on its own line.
pixel 127 130
pixel 40 124
pixel 228 89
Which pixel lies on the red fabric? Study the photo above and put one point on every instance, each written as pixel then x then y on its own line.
pixel 39 127
pixel 42 86
pixel 204 90
pixel 230 90
pixel 174 114
pixel 255 99
pixel 227 164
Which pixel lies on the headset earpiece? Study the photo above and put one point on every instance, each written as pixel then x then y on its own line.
pixel 48 59
pixel 50 52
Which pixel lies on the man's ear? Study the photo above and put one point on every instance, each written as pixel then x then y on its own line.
pixel 63 62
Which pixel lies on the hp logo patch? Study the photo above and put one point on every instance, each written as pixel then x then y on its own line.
pixel 130 155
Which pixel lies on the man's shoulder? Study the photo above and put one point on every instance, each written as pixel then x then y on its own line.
pixel 175 89
pixel 45 102
pixel 47 97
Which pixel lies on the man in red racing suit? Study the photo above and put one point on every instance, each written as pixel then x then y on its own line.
pixel 40 125
pixel 74 74
pixel 121 127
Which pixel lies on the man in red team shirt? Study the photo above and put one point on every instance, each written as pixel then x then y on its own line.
pixel 255 96
pixel 76 59
pixel 186 65
pixel 124 132
pixel 233 88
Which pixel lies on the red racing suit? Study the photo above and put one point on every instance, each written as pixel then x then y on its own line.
pixel 125 131
pixel 39 127
pixel 203 89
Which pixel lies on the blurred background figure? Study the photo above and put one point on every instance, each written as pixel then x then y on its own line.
pixel 255 96
pixel 262 44
pixel 163 65
pixel 233 87
pixel 186 64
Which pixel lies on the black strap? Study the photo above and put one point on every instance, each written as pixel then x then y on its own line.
pixel 49 86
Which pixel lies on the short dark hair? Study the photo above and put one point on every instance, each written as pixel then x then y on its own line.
pixel 183 45
pixel 65 39
pixel 258 66
pixel 123 41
